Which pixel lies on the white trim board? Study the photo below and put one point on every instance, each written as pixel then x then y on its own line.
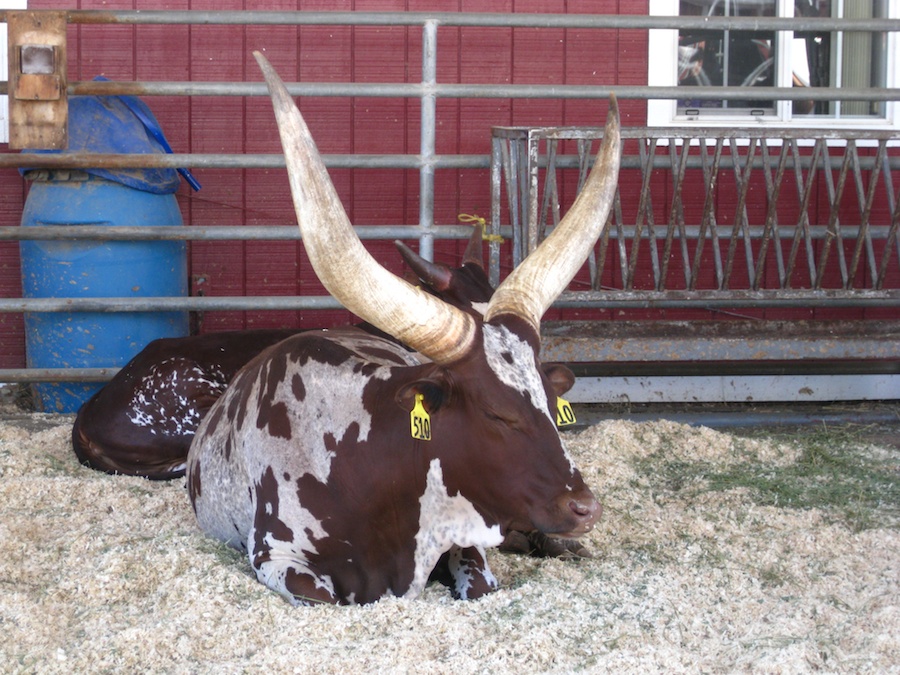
pixel 735 389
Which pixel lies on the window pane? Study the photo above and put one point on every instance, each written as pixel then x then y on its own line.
pixel 841 59
pixel 727 58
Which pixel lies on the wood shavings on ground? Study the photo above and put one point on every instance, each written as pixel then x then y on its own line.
pixel 695 569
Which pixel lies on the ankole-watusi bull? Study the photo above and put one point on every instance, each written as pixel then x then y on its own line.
pixel 142 422
pixel 350 468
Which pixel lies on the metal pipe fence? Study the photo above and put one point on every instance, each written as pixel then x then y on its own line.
pixel 427 161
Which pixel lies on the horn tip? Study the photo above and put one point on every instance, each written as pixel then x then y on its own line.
pixel 613 116
pixel 268 71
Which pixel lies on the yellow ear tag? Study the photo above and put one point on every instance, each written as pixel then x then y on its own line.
pixel 420 421
pixel 564 413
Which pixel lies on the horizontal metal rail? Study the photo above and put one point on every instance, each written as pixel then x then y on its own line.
pixel 170 304
pixel 230 161
pixel 57 374
pixel 218 232
pixel 477 91
pixel 632 299
pixel 464 19
pixel 31 161
pixel 607 299
pixel 365 232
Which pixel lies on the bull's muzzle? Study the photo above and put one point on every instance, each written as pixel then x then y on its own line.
pixel 581 509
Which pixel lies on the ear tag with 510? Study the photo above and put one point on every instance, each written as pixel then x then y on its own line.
pixel 420 421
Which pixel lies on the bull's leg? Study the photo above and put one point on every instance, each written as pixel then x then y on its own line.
pixel 305 588
pixel 295 581
pixel 277 552
pixel 465 572
pixel 284 573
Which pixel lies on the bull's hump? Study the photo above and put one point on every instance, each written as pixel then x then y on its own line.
pixel 445 521
pixel 371 348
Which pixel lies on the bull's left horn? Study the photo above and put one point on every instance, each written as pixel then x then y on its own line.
pixel 346 269
pixel 532 287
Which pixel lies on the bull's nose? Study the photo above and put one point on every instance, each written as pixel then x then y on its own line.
pixel 584 508
pixel 576 512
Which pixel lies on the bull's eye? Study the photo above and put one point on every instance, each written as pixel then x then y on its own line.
pixel 500 419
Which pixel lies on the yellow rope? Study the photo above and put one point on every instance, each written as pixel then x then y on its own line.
pixel 472 218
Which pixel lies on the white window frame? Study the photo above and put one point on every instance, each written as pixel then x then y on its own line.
pixel 662 72
pixel 4 67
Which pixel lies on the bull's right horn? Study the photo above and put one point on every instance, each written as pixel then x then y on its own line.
pixel 429 325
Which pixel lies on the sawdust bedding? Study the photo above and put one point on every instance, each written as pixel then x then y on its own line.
pixel 110 574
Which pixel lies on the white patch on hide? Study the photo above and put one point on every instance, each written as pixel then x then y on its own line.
pixel 332 404
pixel 443 522
pixel 461 571
pixel 521 374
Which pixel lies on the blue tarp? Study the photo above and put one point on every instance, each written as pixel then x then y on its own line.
pixel 118 125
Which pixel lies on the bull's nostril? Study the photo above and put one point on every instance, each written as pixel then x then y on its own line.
pixel 580 508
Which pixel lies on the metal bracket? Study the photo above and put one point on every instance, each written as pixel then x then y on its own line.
pixel 38 103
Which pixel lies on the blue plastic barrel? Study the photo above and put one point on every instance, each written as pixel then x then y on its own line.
pixel 85 269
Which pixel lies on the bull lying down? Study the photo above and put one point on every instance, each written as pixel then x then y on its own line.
pixel 350 468
pixel 142 422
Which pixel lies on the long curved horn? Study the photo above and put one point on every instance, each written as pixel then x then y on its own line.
pixel 533 286
pixel 425 323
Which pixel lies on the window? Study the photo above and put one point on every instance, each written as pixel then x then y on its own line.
pixel 731 58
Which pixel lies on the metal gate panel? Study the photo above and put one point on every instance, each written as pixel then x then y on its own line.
pixel 840 249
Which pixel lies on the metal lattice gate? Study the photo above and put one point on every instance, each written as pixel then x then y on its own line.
pixel 808 221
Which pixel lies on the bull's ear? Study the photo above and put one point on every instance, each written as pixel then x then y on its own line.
pixel 561 378
pixel 435 393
